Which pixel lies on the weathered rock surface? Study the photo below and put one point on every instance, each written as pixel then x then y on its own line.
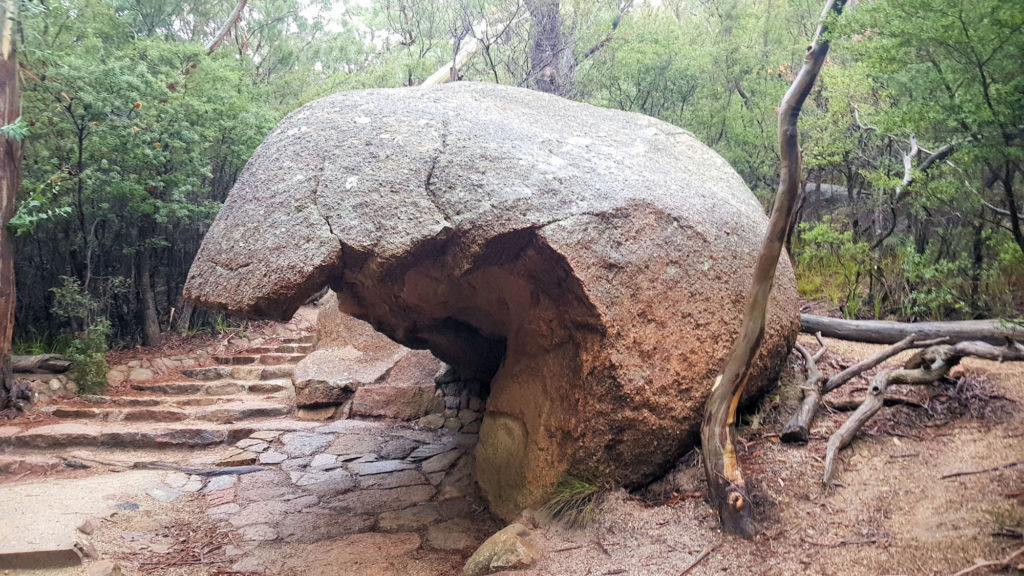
pixel 353 355
pixel 593 264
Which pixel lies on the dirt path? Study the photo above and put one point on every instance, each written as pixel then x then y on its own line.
pixel 892 515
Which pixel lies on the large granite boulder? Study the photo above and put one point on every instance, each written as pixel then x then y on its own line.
pixel 592 263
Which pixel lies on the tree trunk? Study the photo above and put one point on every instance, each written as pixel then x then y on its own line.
pixel 547 73
pixel 727 488
pixel 150 324
pixel 188 307
pixel 10 177
pixel 885 332
pixel 1011 206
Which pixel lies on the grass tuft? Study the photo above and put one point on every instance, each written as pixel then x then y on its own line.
pixel 573 502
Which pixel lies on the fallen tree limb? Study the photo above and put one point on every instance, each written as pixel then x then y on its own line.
pixel 925 367
pixel 889 400
pixel 886 332
pixel 797 430
pixel 40 364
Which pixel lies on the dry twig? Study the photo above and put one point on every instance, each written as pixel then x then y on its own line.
pixel 1004 563
pixel 700 558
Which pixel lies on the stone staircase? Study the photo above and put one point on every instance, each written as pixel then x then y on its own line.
pixel 235 396
pixel 367 480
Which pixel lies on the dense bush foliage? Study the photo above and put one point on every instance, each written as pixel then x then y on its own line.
pixel 134 132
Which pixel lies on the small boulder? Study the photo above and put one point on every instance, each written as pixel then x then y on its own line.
pixel 140 374
pixel 505 550
pixel 391 401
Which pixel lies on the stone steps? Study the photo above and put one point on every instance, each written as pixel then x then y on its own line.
pixel 264 358
pixel 224 412
pixel 281 349
pixel 279 359
pixel 239 411
pixel 121 414
pixel 214 388
pixel 122 435
pixel 251 372
pixel 238 360
pixel 147 401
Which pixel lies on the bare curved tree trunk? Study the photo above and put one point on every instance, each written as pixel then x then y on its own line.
pixel 10 177
pixel 727 489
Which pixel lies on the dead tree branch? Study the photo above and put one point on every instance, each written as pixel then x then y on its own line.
pixel 925 367
pixel 798 428
pixel 727 488
pixel 1004 563
pixel 226 28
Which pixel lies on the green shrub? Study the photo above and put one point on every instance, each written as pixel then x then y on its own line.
pixel 89 346
pixel 831 264
pixel 89 355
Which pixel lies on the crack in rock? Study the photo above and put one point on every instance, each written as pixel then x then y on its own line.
pixel 316 204
pixel 428 185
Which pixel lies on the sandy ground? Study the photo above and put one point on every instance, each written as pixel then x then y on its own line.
pixel 893 514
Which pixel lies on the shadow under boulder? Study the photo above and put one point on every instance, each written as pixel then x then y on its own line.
pixel 357 371
pixel 590 264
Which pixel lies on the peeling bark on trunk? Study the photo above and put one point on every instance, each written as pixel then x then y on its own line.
pixel 727 488
pixel 10 177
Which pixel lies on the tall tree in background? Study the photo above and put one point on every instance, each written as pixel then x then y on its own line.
pixel 549 50
pixel 10 177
